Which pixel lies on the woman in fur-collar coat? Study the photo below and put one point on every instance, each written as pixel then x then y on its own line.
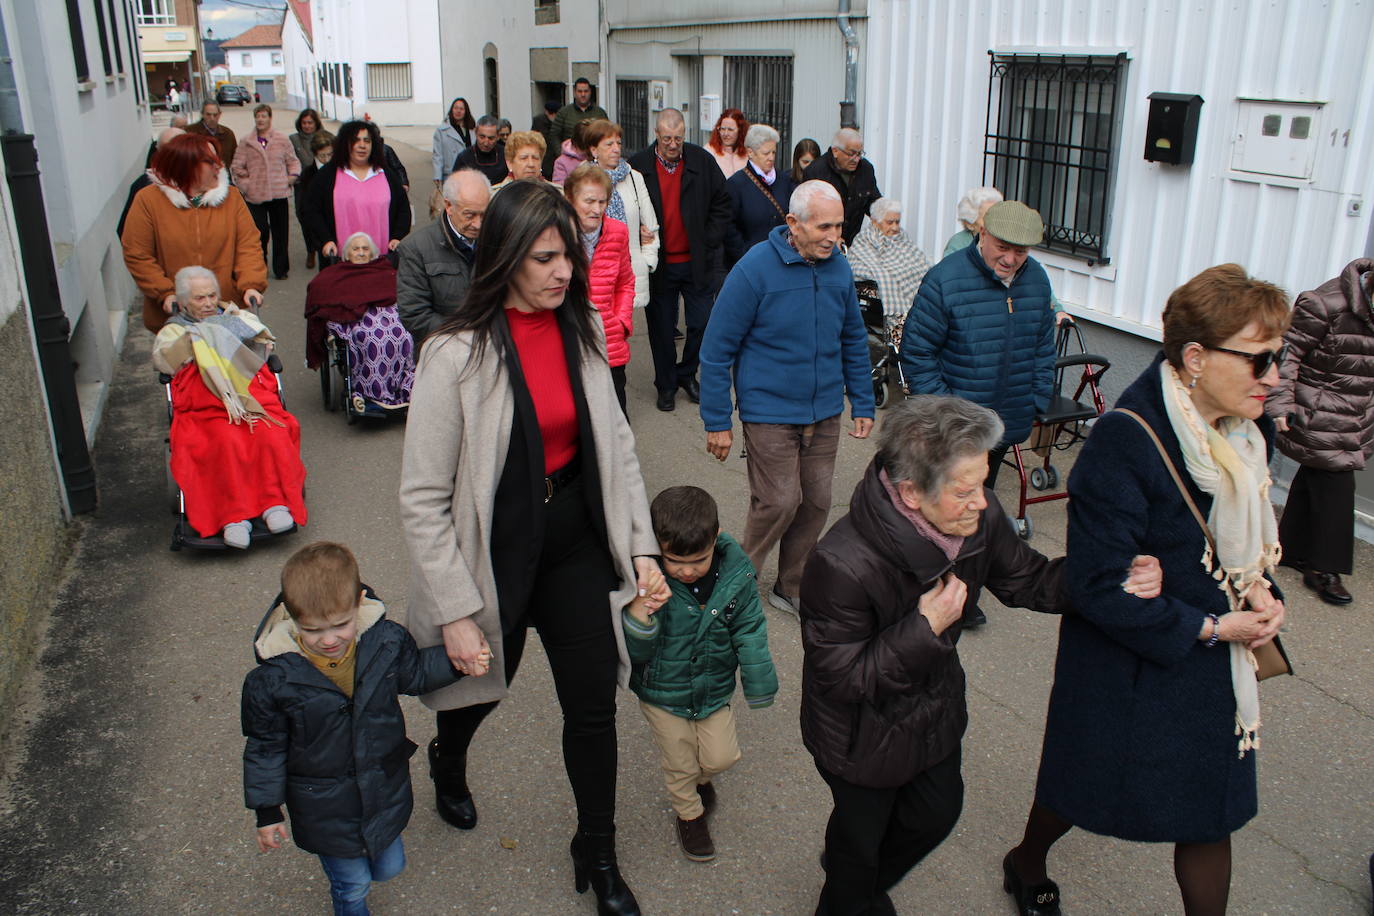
pixel 189 215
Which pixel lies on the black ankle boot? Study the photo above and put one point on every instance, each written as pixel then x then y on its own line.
pixel 452 799
pixel 594 865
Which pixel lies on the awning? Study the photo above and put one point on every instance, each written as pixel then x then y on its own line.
pixel 165 57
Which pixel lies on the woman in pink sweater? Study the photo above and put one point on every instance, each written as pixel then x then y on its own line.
pixel 265 167
pixel 610 278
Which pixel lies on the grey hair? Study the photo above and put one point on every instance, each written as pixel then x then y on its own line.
pixel 183 279
pixel 489 121
pixel 669 117
pixel 504 122
pixel 883 206
pixel 759 134
pixel 376 252
pixel 845 136
pixel 923 437
pixel 453 183
pixel 975 200
pixel 808 191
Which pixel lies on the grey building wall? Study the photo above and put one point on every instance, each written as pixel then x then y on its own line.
pixel 34 539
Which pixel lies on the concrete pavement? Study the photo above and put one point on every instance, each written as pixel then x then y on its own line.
pixel 122 784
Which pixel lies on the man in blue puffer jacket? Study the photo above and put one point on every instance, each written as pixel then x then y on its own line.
pixel 787 330
pixel 982 328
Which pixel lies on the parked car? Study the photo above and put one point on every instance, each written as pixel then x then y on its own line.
pixel 231 94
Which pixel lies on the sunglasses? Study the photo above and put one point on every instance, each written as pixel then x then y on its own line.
pixel 1261 361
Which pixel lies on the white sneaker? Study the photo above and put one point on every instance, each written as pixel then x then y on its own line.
pixel 238 535
pixel 278 519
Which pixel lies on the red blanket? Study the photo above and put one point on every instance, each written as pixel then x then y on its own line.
pixel 344 292
pixel 230 472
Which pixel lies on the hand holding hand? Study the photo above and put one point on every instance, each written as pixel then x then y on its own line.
pixel 466 647
pixel 646 235
pixel 650 582
pixel 1264 605
pixel 271 837
pixel 1145 578
pixel 944 603
pixel 718 444
pixel 862 427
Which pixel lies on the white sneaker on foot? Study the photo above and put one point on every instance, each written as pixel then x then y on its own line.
pixel 278 519
pixel 238 535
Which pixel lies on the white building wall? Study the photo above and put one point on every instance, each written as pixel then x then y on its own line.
pixel 255 62
pixel 298 61
pixel 405 31
pixel 85 182
pixel 927 89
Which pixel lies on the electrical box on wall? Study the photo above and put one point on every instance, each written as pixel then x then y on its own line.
pixel 708 112
pixel 1171 130
pixel 1276 138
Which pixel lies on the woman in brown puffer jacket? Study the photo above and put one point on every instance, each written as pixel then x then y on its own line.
pixel 882 600
pixel 1324 410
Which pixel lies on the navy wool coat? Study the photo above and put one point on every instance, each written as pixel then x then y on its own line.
pixel 1139 741
pixel 969 335
pixel 754 215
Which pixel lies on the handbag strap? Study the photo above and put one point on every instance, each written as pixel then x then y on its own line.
pixel 767 193
pixel 1173 472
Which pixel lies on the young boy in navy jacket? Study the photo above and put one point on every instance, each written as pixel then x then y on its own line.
pixel 325 732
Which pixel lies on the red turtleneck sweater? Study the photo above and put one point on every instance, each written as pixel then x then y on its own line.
pixel 539 344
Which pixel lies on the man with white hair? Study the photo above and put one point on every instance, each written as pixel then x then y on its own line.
pixel 844 166
pixel 787 328
pixel 435 263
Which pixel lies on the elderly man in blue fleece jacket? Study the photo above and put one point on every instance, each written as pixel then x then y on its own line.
pixel 787 330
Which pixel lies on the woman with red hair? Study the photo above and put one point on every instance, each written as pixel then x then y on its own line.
pixel 727 141
pixel 190 215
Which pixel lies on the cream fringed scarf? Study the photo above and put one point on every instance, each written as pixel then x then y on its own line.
pixel 1229 463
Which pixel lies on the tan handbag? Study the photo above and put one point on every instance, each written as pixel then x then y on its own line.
pixel 1270 658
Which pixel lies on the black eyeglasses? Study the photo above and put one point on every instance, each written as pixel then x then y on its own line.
pixel 1261 361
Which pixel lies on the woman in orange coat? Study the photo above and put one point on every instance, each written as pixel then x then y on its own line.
pixel 190 216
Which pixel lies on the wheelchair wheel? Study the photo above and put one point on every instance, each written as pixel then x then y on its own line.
pixel 1023 528
pixel 325 374
pixel 881 393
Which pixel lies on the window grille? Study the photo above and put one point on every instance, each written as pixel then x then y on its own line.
pixel 83 67
pixel 632 108
pixel 1051 142
pixel 388 82
pixel 156 12
pixel 492 78
pixel 761 87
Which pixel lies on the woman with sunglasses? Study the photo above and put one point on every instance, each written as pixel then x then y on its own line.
pixel 1153 721
pixel 1323 407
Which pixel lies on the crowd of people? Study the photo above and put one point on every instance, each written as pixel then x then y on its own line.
pixel 503 325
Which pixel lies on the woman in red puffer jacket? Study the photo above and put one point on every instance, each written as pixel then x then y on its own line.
pixel 610 277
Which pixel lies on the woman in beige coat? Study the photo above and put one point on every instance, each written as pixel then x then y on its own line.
pixel 523 504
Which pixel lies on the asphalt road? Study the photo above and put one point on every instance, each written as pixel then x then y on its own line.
pixel 122 786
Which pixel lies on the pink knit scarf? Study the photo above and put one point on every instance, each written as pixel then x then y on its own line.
pixel 949 545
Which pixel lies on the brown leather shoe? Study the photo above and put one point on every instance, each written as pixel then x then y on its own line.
pixel 1327 585
pixel 695 838
pixel 310 260
pixel 708 797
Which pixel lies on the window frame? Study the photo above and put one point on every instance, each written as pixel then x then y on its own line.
pixel 167 14
pixel 1054 120
pixel 80 61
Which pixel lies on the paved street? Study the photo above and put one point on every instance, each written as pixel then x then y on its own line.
pixel 122 788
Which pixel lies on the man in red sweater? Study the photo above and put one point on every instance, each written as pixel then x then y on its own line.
pixel 693 208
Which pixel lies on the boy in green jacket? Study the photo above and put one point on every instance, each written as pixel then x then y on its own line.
pixel 685 655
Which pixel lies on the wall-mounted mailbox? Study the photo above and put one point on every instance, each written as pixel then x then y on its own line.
pixel 1171 132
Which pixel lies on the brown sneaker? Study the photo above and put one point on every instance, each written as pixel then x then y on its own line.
pixel 707 792
pixel 695 838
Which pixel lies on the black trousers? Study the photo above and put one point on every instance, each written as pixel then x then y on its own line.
pixel 272 219
pixel 570 608
pixel 876 836
pixel 618 377
pixel 669 282
pixel 995 459
pixel 1318 524
pixel 312 244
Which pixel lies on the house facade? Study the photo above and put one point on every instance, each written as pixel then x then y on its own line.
pixel 1155 141
pixel 169 36
pixel 782 64
pixel 298 56
pixel 381 60
pixel 256 62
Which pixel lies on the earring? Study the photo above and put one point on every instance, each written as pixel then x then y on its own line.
pixel 1193 383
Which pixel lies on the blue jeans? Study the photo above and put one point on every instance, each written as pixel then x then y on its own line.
pixel 351 879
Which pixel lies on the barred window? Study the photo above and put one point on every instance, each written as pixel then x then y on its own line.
pixel 761 87
pixel 1051 142
pixel 632 108
pixel 388 82
pixel 156 12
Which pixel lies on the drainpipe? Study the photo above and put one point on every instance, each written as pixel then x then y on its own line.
pixel 851 66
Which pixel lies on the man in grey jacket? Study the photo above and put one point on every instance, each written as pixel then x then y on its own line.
pixel 435 266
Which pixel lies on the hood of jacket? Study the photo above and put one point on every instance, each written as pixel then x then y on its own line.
pixel 276 634
pixel 211 198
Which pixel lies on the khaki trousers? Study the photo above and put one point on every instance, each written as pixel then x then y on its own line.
pixel 693 751
pixel 791 469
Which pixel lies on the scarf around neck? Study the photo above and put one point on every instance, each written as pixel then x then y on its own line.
pixel 947 544
pixel 226 364
pixel 615 208
pixel 768 177
pixel 1229 463
pixel 893 262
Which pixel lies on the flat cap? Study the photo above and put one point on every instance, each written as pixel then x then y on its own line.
pixel 1014 223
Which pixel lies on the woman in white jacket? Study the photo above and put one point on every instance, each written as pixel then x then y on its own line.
pixel 629 201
